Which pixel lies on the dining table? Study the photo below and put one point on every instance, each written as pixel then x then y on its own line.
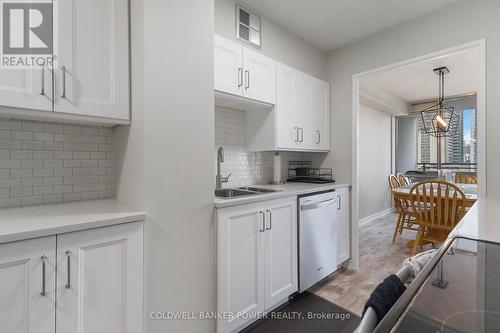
pixel 470 191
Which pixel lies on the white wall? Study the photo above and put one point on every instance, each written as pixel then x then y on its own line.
pixel 166 156
pixel 418 37
pixel 374 161
pixel 277 42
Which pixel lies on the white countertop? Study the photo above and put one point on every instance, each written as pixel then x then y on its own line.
pixel 285 190
pixel 482 221
pixel 38 221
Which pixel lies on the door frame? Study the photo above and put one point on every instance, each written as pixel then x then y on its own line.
pixel 481 128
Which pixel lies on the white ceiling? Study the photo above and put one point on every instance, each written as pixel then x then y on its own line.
pixel 329 24
pixel 417 82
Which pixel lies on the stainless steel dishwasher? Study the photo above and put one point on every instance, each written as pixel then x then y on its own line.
pixel 317 238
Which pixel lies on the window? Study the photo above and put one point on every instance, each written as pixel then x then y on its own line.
pixel 248 26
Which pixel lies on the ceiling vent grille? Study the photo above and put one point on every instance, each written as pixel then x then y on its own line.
pixel 248 26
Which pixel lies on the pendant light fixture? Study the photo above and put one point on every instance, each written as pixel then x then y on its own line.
pixel 440 119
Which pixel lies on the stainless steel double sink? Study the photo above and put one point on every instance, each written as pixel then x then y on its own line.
pixel 228 193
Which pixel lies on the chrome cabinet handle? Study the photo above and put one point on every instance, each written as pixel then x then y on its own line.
pixel 240 77
pixel 42 90
pixel 263 222
pixel 301 134
pixel 68 256
pixel 339 203
pixel 319 136
pixel 63 69
pixel 247 79
pixel 296 134
pixel 270 219
pixel 43 293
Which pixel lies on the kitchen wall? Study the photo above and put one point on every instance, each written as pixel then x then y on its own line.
pixel 44 163
pixel 165 158
pixel 374 161
pixel 277 42
pixel 246 168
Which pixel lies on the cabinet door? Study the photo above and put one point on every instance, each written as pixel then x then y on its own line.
pixel 93 74
pixel 240 264
pixel 287 135
pixel 320 136
pixel 281 251
pixel 228 66
pixel 99 280
pixel 305 111
pixel 344 230
pixel 23 308
pixel 259 77
pixel 26 88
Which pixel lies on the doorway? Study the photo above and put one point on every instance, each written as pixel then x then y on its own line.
pixel 480 94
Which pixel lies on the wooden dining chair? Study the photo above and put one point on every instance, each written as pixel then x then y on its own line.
pixel 403 180
pixel 465 178
pixel 438 207
pixel 406 218
pixel 394 182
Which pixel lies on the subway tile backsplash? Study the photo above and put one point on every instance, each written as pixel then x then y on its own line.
pixel 246 168
pixel 43 163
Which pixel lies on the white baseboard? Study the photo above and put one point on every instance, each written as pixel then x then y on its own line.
pixel 375 216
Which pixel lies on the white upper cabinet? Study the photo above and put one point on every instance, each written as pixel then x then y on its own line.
pixel 302 112
pixel 305 111
pixel 320 120
pixel 259 77
pixel 228 66
pixel 243 72
pixel 89 81
pixel 27 89
pixel 300 118
pixel 287 117
pixel 92 78
pixel 27 279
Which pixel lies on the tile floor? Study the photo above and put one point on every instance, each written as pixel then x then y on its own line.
pixel 379 257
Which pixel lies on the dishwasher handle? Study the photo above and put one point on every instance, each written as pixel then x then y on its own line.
pixel 326 203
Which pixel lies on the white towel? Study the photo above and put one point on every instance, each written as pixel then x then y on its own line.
pixel 417 262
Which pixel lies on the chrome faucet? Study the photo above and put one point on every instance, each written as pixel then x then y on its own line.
pixel 219 179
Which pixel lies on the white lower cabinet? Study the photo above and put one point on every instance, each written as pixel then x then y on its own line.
pixel 256 259
pixel 99 282
pixel 343 223
pixel 27 280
